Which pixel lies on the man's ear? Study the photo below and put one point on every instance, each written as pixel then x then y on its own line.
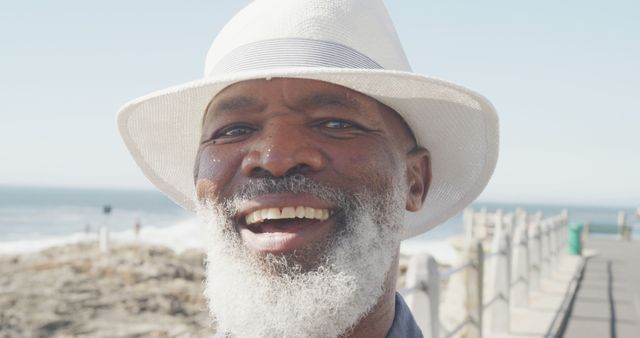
pixel 418 177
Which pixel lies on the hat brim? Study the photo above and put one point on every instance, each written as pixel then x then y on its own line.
pixel 458 126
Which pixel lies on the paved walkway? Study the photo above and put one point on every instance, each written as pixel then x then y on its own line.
pixel 607 302
pixel 536 319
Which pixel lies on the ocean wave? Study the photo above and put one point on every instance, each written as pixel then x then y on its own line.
pixel 180 236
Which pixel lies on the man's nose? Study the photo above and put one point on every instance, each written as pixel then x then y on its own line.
pixel 283 150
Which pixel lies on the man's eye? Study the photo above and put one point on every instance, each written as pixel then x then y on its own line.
pixel 235 131
pixel 337 124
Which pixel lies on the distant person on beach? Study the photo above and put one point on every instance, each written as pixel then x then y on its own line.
pixel 310 150
pixel 136 228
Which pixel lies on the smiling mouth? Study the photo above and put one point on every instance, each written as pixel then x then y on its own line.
pixel 257 217
pixel 285 229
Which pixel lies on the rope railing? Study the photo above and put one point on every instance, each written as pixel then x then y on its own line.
pixel 457 329
pixel 448 273
pixel 523 249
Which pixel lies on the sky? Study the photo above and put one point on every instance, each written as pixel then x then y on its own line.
pixel 563 75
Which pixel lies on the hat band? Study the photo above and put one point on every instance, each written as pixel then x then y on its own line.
pixel 291 53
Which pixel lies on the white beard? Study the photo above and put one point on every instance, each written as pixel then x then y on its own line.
pixel 273 296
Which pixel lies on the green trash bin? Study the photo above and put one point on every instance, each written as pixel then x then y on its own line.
pixel 575 239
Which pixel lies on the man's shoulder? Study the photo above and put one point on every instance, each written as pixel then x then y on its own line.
pixel 404 325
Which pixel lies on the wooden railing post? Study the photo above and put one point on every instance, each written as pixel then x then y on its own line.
pixel 508 223
pixel 480 224
pixel 564 221
pixel 545 250
pixel 498 315
pixel 520 264
pixel 535 255
pixel 433 289
pixel 423 281
pixel 467 220
pixel 475 289
pixel 499 225
pixel 558 228
pixel 552 228
pixel 621 224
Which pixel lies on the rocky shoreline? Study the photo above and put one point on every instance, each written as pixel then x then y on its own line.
pixel 76 291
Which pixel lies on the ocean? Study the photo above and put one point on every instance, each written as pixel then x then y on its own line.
pixel 33 218
pixel 35 213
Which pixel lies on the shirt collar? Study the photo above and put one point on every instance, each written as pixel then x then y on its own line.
pixel 404 325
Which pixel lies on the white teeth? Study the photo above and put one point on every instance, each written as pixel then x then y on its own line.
pixel 286 213
pixel 273 213
pixel 250 218
pixel 309 212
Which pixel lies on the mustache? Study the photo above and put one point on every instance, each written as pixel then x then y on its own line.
pixel 297 184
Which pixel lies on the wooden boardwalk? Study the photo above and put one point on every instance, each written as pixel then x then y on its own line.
pixel 607 302
pixel 544 309
pixel 516 279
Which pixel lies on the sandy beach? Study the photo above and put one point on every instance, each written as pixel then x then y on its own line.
pixel 75 291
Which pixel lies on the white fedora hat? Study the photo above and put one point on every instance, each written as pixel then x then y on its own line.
pixel 351 43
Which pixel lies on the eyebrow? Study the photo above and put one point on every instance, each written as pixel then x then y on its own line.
pixel 325 99
pixel 234 103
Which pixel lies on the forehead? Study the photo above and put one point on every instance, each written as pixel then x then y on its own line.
pixel 304 94
pixel 292 91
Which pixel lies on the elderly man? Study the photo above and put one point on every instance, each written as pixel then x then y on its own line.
pixel 310 150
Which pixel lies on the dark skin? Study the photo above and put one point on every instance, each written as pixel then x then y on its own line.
pixel 329 133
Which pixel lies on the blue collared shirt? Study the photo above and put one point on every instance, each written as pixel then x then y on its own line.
pixel 404 325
